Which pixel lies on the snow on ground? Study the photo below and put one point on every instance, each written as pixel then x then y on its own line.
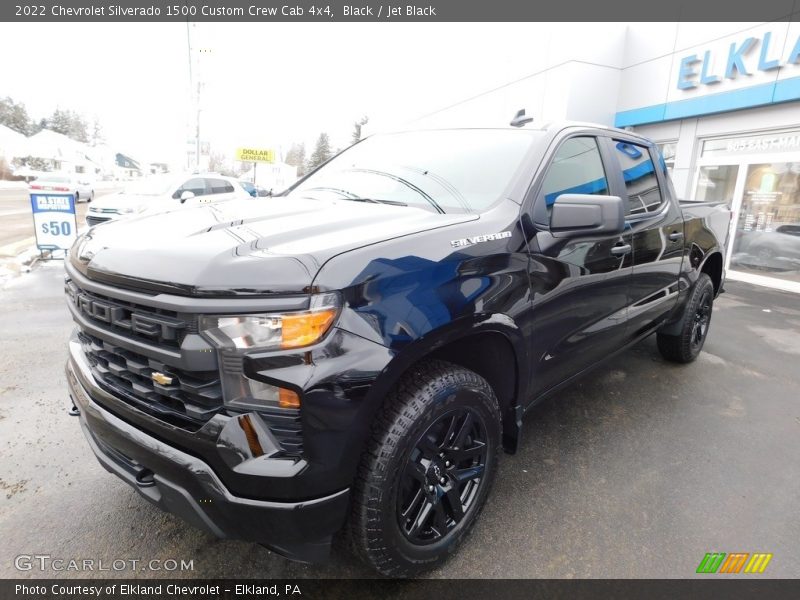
pixel 13 185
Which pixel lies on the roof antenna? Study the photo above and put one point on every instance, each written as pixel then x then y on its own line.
pixel 520 120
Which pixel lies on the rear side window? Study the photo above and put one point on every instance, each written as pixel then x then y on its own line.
pixel 641 183
pixel 219 186
pixel 576 169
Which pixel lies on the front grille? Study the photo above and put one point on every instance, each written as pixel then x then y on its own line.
pixel 162 327
pixel 92 221
pixel 184 398
pixel 187 398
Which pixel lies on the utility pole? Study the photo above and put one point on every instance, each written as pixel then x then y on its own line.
pixel 191 85
pixel 197 130
pixel 195 87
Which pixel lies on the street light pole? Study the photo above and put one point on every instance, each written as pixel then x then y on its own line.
pixel 197 130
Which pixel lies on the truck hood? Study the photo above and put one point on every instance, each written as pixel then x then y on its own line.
pixel 242 247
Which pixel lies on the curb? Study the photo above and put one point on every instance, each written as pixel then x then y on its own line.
pixel 14 249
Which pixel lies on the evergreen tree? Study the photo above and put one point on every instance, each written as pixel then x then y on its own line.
pixel 97 133
pixel 70 124
pixel 322 152
pixel 357 128
pixel 14 116
pixel 296 156
pixel 59 122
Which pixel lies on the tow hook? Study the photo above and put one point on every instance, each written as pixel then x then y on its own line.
pixel 74 411
pixel 145 478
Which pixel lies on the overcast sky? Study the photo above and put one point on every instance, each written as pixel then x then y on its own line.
pixel 266 84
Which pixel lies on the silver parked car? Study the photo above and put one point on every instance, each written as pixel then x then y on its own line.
pixel 76 184
pixel 165 192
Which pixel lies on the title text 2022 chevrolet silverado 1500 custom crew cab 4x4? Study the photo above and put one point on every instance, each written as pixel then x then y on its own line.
pixel 353 355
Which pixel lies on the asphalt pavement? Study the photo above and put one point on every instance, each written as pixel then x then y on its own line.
pixel 636 471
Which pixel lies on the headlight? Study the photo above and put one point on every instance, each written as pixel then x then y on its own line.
pixel 273 331
pixel 235 335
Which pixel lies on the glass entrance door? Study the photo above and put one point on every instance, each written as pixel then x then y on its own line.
pixel 767 236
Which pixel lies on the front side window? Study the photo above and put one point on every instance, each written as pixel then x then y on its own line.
pixel 197 186
pixel 641 182
pixel 576 169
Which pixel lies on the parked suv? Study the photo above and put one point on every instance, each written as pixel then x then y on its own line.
pixel 355 353
pixel 162 192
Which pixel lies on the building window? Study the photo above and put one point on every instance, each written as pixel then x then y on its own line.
pixel 716 183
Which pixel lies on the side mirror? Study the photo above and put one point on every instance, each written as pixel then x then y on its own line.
pixel 576 215
pixel 186 195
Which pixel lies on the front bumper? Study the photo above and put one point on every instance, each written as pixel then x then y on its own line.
pixel 189 488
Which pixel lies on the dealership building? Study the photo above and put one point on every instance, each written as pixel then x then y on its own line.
pixel 722 100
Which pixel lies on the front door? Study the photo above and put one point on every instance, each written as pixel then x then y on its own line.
pixel 579 286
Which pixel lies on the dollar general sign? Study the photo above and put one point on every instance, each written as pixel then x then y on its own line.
pixel 255 155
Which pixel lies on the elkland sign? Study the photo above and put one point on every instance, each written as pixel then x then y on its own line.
pixel 742 59
pixel 758 70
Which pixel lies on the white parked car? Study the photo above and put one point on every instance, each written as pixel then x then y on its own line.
pixel 78 185
pixel 164 192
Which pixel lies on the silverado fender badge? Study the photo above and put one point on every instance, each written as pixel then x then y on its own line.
pixel 480 238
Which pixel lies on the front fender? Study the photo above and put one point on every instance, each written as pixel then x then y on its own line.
pixel 459 330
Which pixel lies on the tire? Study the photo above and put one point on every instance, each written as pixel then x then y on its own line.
pixel 91 197
pixel 695 321
pixel 77 197
pixel 427 470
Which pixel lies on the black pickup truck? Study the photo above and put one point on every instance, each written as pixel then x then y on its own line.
pixel 352 355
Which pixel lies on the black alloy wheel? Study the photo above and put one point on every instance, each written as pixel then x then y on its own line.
pixel 702 318
pixel 427 470
pixel 684 338
pixel 442 477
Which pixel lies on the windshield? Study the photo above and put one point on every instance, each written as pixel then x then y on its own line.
pixel 153 186
pixel 446 171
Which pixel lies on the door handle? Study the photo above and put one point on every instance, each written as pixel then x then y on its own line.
pixel 675 236
pixel 621 250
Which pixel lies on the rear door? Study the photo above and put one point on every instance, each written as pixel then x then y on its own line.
pixel 219 189
pixel 580 285
pixel 656 225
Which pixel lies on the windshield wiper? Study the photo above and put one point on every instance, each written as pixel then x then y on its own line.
pixel 356 198
pixel 408 184
pixel 378 201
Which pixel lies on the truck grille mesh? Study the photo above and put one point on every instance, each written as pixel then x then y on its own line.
pixel 185 398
